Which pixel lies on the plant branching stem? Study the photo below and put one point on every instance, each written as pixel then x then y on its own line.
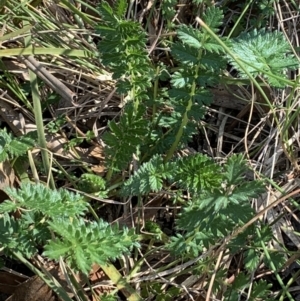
pixel 185 118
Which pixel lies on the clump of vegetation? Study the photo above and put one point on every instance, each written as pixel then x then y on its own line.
pixel 217 242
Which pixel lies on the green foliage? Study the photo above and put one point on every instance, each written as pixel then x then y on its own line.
pixel 52 203
pixel 55 125
pixel 259 291
pixel 199 64
pixel 91 183
pixel 250 244
pixel 162 109
pixel 106 297
pixel 149 177
pixel 125 137
pixel 58 212
pixel 277 258
pixel 155 290
pixel 251 259
pixel 266 6
pixel 38 205
pixel 77 140
pixel 197 173
pixel 193 173
pixel 123 50
pixel 213 17
pixel 217 208
pixel 8 227
pixel 168 8
pixel 197 41
pixel 84 243
pixel 154 229
pixel 130 65
pixel 267 55
pixel 194 50
pixel 220 198
pixel 12 147
pixel 22 235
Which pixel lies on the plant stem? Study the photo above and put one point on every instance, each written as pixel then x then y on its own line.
pixel 120 282
pixel 76 11
pixel 185 118
pixel 284 288
pixel 37 108
pixel 179 134
pixel 52 283
pixel 241 65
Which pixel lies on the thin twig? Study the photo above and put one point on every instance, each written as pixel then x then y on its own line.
pixel 50 80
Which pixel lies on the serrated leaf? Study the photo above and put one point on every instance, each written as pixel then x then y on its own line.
pixel 265 52
pixel 214 48
pixel 220 202
pixel 155 183
pixel 203 97
pixel 196 173
pixel 5 138
pixel 241 281
pixel 108 33
pixel 107 12
pixel 276 258
pixel 179 94
pixel 238 213
pixel 245 191
pixel 235 169
pixel 125 137
pixel 3 155
pixel 120 8
pixel 184 53
pixel 8 226
pixel 180 80
pixel 213 63
pixel 149 177
pixel 83 243
pixel 2 143
pixel 213 17
pixel 251 259
pixel 7 206
pixel 207 79
pixel 19 148
pixel 56 249
pixel 190 36
pixel 261 291
pixel 11 147
pixel 115 129
pixel 54 203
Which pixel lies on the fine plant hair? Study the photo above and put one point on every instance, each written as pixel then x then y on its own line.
pixel 162 110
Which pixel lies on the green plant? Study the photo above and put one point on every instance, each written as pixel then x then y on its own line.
pixel 219 195
pixel 12 147
pixel 163 105
pixel 267 53
pixel 53 219
pixel 135 133
pixel 93 184
pixel 55 125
